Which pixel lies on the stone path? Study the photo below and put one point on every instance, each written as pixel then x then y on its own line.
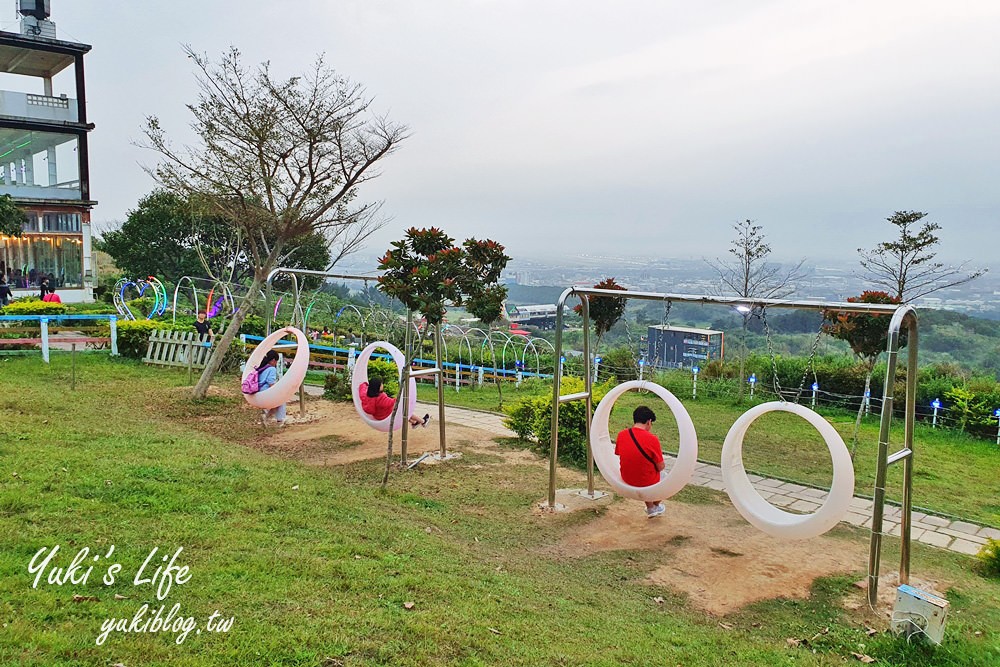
pixel 960 536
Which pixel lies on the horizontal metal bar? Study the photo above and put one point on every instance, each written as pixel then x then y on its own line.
pixel 283 346
pixel 899 456
pixel 574 397
pixel 887 309
pixel 424 371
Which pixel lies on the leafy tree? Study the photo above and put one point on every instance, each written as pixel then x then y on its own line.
pixel 905 267
pixel 605 311
pixel 425 271
pixel 276 160
pixel 749 274
pixel 12 218
pixel 867 334
pixel 165 236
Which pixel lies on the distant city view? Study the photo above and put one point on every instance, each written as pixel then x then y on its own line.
pixel 826 280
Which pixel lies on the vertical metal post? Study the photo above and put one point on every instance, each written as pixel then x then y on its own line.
pixel 44 324
pixel 903 315
pixel 72 382
pixel 556 384
pixel 588 387
pixel 440 387
pixel 302 399
pixel 114 335
pixel 404 386
pixel 910 419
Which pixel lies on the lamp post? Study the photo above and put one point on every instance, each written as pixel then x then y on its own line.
pixel 597 364
pixel 996 413
pixel 694 384
pixel 815 388
pixel 753 383
pixel 642 365
pixel 936 404
pixel 868 401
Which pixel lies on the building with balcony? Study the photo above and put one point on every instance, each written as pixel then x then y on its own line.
pixel 44 162
pixel 682 347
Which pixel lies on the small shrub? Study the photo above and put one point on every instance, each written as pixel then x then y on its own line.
pixel 533 416
pixel 337 387
pixel 989 558
pixel 133 336
pixel 386 370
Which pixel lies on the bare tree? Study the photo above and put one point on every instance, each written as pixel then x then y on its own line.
pixel 905 267
pixel 278 159
pixel 748 274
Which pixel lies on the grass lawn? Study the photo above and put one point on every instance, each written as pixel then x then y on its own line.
pixel 954 473
pixel 316 566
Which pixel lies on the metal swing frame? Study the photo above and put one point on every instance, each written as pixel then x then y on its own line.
pixel 903 315
pixel 404 389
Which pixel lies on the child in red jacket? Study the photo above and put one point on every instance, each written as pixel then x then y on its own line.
pixel 378 404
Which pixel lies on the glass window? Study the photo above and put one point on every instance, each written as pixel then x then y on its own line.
pixel 27 260
pixel 39 165
pixel 61 222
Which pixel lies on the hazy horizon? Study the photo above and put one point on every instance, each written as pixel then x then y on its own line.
pixel 584 126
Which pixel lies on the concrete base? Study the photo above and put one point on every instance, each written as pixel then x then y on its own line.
pixel 597 495
pixel 450 456
pixel 571 500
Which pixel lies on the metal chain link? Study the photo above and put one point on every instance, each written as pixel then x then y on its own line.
pixel 770 351
pixel 810 364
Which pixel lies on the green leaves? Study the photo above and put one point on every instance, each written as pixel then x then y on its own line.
pixel 12 218
pixel 425 270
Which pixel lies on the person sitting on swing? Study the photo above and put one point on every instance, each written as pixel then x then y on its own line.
pixel 640 455
pixel 378 404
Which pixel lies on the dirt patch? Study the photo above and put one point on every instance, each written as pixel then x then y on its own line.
pixel 321 440
pixel 712 555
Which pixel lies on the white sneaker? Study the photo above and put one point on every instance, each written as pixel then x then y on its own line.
pixel 656 511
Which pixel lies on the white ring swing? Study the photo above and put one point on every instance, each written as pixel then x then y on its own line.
pixel 608 462
pixel 359 376
pixel 281 391
pixel 762 514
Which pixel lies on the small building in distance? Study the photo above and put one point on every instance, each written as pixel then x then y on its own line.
pixel 542 316
pixel 45 166
pixel 668 346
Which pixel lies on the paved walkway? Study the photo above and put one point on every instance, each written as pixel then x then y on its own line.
pixel 960 536
pixel 955 535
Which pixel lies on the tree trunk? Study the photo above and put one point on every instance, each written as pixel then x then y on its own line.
pixel 222 346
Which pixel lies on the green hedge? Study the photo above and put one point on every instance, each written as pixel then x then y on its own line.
pixel 531 419
pixel 33 307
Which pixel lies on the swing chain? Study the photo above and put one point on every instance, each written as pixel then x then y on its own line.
pixel 770 351
pixel 810 364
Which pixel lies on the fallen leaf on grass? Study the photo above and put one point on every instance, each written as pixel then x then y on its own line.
pixel 428 530
pixel 867 659
pixel 494 631
pixel 295 488
pixel 409 605
pixel 86 598
pixel 819 634
pixel 120 597
pixel 792 642
pixel 871 632
pixel 725 626
pixel 658 600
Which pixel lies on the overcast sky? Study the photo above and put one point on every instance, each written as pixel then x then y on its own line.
pixel 641 127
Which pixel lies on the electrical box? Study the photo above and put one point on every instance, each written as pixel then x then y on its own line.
pixel 918 612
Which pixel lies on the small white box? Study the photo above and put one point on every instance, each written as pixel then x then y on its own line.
pixel 919 612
